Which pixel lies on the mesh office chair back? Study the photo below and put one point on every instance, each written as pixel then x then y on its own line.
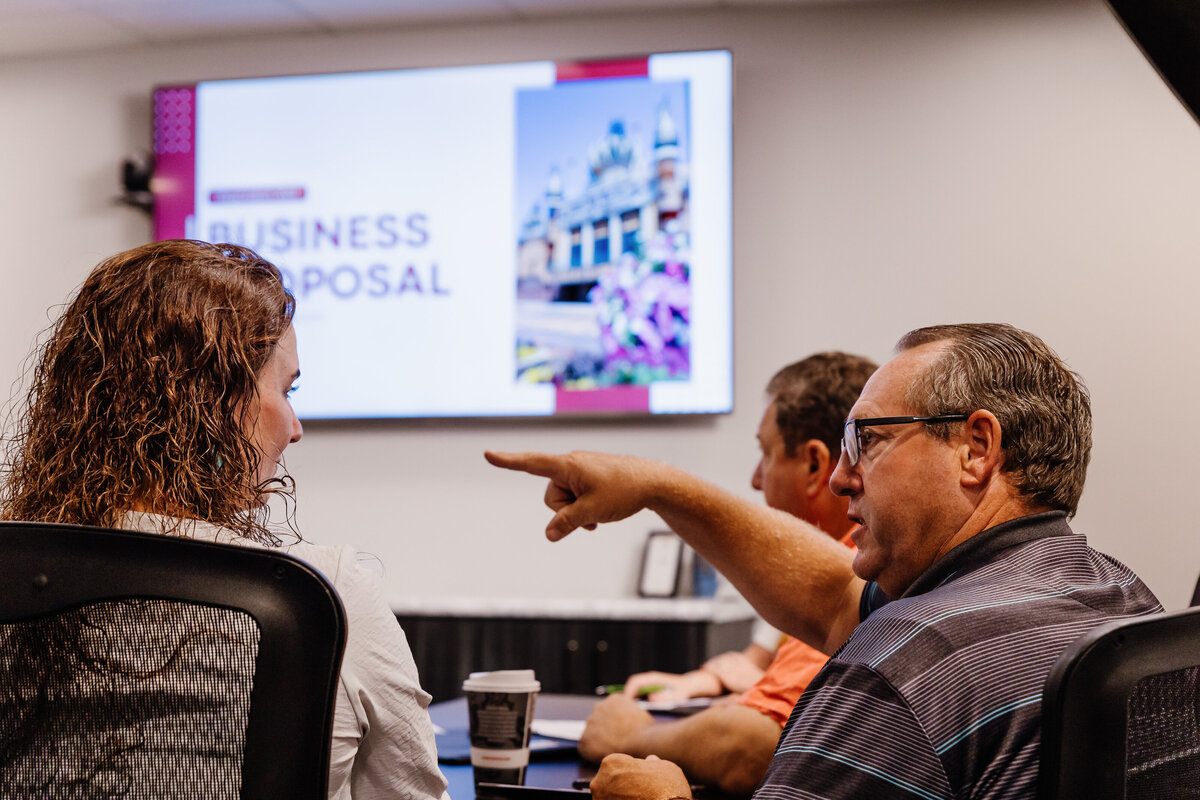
pixel 1121 713
pixel 138 666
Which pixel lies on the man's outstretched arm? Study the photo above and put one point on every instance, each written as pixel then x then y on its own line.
pixel 798 578
pixel 726 747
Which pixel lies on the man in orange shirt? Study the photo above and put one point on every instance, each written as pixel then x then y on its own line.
pixel 729 745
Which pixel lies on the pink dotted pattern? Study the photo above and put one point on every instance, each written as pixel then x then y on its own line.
pixel 172 121
pixel 174 160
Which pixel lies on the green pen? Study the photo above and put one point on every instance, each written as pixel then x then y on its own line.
pixel 617 688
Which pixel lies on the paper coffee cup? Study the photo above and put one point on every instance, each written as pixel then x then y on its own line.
pixel 500 707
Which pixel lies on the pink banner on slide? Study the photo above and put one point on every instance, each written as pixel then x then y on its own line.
pixel 587 70
pixel 257 195
pixel 174 182
pixel 614 400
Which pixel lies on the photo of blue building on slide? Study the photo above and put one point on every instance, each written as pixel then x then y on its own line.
pixel 603 274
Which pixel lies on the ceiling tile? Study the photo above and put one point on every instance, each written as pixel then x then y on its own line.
pixel 32 27
pixel 29 27
pixel 600 6
pixel 172 21
pixel 339 14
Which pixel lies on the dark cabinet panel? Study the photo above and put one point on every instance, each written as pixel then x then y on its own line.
pixel 569 656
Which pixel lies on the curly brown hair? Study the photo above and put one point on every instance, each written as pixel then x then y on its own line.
pixel 142 396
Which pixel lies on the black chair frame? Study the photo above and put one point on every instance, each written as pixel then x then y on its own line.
pixel 50 568
pixel 1086 700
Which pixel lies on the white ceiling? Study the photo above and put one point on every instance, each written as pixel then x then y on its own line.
pixel 38 27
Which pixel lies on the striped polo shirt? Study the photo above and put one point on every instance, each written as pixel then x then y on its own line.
pixel 938 694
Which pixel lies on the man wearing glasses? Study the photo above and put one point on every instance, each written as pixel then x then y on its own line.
pixel 962 461
pixel 729 745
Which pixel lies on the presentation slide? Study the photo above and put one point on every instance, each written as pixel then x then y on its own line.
pixel 500 240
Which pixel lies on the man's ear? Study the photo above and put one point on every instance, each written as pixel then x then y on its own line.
pixel 982 455
pixel 819 466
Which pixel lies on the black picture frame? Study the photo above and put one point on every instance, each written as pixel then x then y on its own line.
pixel 662 561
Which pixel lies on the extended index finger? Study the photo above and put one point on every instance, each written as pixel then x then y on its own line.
pixel 541 464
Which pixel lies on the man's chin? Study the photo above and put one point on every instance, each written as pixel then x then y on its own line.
pixel 864 567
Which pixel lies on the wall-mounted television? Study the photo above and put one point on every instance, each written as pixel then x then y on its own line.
pixel 501 240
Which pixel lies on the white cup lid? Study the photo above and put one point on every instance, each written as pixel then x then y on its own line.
pixel 502 680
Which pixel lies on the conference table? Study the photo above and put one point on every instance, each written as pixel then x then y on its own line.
pixel 552 769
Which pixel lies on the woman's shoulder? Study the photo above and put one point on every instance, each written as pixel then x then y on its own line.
pixel 339 563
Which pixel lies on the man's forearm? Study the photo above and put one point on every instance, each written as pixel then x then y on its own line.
pixel 727 747
pixel 796 576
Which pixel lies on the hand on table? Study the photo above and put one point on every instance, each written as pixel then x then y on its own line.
pixel 733 670
pixel 676 688
pixel 610 724
pixel 623 777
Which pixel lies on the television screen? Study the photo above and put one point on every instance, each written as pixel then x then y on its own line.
pixel 503 240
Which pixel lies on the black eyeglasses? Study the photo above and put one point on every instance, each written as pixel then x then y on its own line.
pixel 851 436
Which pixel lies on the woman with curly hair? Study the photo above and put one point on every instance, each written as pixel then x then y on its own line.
pixel 160 403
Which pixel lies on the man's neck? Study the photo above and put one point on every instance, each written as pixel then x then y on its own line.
pixel 995 510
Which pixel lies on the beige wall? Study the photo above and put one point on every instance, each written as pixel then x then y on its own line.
pixel 896 164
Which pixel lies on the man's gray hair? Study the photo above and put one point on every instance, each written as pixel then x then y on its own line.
pixel 1043 407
